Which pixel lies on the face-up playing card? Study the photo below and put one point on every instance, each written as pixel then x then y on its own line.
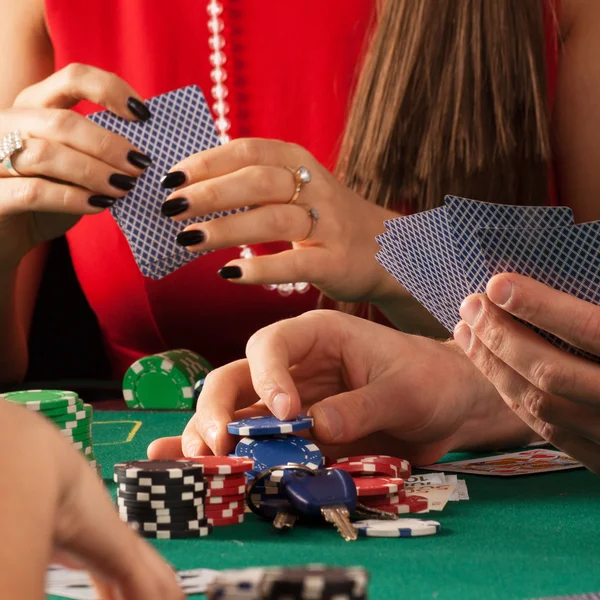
pixel 181 125
pixel 465 217
pixel 527 462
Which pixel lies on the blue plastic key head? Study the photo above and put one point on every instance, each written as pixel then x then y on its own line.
pixel 308 493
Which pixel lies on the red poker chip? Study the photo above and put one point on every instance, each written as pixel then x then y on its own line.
pixel 235 520
pixel 377 486
pixel 402 466
pixel 218 508
pixel 367 468
pixel 226 492
pixel 223 465
pixel 225 513
pixel 224 501
pixel 411 504
pixel 232 481
pixel 386 499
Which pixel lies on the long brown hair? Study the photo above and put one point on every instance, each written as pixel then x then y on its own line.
pixel 452 99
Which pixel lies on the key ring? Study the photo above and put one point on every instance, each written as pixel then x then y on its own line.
pixel 264 474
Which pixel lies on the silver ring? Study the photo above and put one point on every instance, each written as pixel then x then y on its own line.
pixel 313 213
pixel 9 145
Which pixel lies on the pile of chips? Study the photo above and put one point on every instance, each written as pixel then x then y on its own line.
pixel 166 381
pixel 286 583
pixel 181 499
pixel 67 411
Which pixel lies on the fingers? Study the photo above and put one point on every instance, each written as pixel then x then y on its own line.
pixel 546 308
pixel 166 448
pixel 546 367
pixel 241 153
pixel 65 88
pixel 259 226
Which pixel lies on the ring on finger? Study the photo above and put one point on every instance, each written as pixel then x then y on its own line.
pixel 313 213
pixel 301 176
pixel 9 145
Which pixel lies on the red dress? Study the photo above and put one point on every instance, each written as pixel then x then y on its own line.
pixel 291 68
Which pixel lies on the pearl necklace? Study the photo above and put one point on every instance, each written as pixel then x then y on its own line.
pixel 219 92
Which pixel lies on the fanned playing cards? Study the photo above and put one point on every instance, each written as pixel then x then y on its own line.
pixel 181 125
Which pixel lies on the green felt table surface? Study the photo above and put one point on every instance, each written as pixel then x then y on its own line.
pixel 517 538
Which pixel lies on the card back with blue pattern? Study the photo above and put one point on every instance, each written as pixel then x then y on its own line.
pixel 181 125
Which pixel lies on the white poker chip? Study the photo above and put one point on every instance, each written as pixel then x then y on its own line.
pixel 396 528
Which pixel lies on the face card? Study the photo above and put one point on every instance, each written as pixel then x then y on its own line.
pixel 466 216
pixel 527 462
pixel 181 125
pixel 418 251
pixel 564 258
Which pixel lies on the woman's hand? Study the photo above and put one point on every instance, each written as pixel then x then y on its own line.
pixel 54 507
pixel 369 388
pixel 68 166
pixel 554 392
pixel 335 252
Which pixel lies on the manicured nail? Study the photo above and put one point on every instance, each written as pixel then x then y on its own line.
pixel 332 420
pixel 139 160
pixel 463 336
pixel 172 208
pixel 190 238
pixel 470 310
pixel 499 291
pixel 173 180
pixel 281 405
pixel 101 201
pixel 210 437
pixel 230 272
pixel 122 182
pixel 139 109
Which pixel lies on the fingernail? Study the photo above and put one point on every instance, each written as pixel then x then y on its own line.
pixel 333 421
pixel 463 336
pixel 173 180
pixel 470 310
pixel 122 182
pixel 172 208
pixel 500 291
pixel 281 405
pixel 190 238
pixel 139 160
pixel 139 109
pixel 101 201
pixel 192 449
pixel 210 437
pixel 230 272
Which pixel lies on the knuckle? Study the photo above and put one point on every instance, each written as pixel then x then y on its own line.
pixel 28 190
pixel 282 222
pixel 494 337
pixel 105 144
pixel 300 151
pixel 210 198
pixel 550 377
pixel 249 151
pixel 547 431
pixel 527 309
pixel 259 337
pixel 73 72
pixel 59 120
pixel 37 154
pixel 586 329
pixel 537 403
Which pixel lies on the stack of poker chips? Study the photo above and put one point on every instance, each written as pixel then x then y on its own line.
pixel 165 381
pixel 379 483
pixel 67 411
pixel 284 583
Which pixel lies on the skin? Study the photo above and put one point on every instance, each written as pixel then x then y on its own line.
pixel 60 512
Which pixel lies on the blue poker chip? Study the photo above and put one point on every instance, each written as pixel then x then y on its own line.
pixel 269 425
pixel 280 450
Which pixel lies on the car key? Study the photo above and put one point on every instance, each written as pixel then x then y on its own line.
pixel 330 493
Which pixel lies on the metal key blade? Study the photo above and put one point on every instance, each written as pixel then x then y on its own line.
pixel 284 520
pixel 339 515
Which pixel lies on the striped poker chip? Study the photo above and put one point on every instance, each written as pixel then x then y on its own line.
pixel 224 521
pixel 376 486
pixel 384 499
pixel 177 534
pixel 233 481
pixel 224 500
pixel 222 465
pixel 225 513
pixel 183 526
pixel 226 492
pixel 162 490
pixel 237 506
pixel 159 503
pixel 157 471
pixel 269 425
pixel 396 528
pixel 367 468
pixel 382 461
pixel 39 400
pixel 411 504
pixel 170 498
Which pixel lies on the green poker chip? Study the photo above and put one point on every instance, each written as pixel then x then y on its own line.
pixel 77 417
pixel 164 381
pixel 39 400
pixel 53 413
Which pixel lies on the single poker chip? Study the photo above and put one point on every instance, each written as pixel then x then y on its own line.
pixel 367 468
pixel 184 526
pixel 269 425
pixel 225 501
pixel 170 498
pixel 233 477
pixel 411 504
pixel 78 436
pixel 223 465
pixel 41 399
pixel 162 490
pixel 396 528
pixel 75 417
pixel 165 514
pixel 226 492
pixel 237 505
pixel 178 535
pixel 279 450
pixel 52 413
pixel 384 499
pixel 402 466
pixel 164 381
pixel 225 513
pixel 223 484
pixel 376 486
pixel 222 522
pixel 160 503
pixel 159 471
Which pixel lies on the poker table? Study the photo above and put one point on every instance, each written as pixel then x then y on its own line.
pixel 517 538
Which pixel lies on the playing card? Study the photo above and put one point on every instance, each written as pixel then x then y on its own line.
pixel 418 251
pixel 466 216
pixel 527 462
pixel 564 258
pixel 181 125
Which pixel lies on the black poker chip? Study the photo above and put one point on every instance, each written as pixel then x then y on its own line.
pixel 160 503
pixel 157 526
pixel 178 535
pixel 162 490
pixel 170 497
pixel 148 517
pixel 158 472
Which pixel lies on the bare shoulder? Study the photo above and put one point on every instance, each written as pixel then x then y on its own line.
pixel 575 14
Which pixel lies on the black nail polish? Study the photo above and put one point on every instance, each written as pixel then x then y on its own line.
pixel 172 208
pixel 230 272
pixel 139 160
pixel 139 109
pixel 190 238
pixel 101 201
pixel 173 180
pixel 122 182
